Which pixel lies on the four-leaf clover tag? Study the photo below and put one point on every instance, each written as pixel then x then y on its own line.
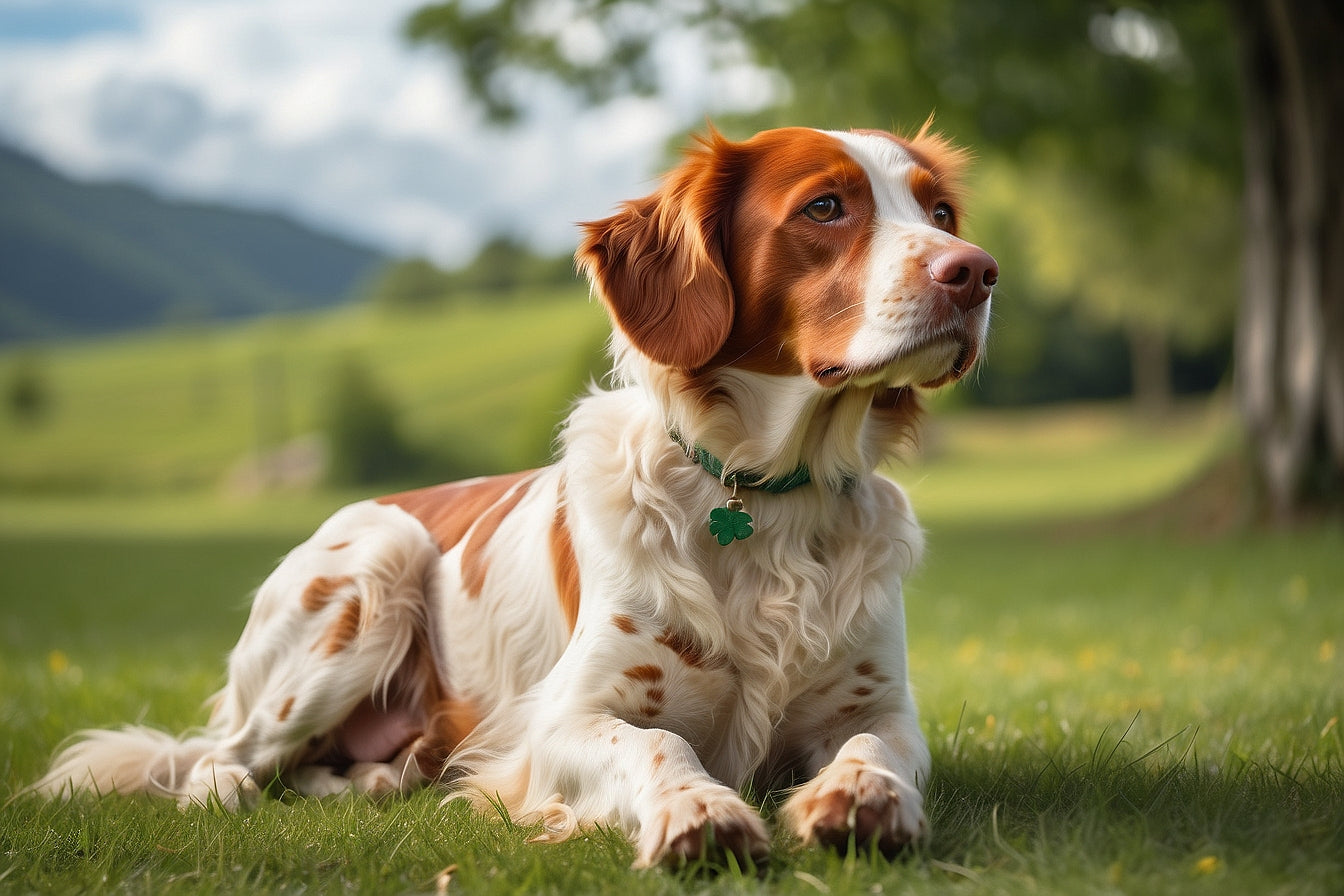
pixel 729 524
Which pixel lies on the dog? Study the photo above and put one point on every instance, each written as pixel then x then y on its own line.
pixel 702 593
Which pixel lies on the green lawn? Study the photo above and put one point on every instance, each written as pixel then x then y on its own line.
pixel 1108 713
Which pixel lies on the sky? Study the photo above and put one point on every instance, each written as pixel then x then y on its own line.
pixel 319 110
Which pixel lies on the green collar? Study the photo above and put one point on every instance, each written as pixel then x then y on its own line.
pixel 777 485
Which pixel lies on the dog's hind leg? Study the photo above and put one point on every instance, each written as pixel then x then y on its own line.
pixel 333 677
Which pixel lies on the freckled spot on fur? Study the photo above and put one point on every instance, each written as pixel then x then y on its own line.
pixel 285 710
pixel 341 632
pixel 647 672
pixel 691 652
pixel 615 739
pixel 624 623
pixel 321 590
pixel 655 695
pixel 862 691
pixel 658 760
pixel 340 546
pixel 866 668
pixel 651 710
pixel 847 710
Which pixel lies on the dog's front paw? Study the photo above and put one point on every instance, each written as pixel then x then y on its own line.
pixel 856 799
pixel 709 822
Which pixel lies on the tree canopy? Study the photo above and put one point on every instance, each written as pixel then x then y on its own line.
pixel 1110 136
pixel 1107 136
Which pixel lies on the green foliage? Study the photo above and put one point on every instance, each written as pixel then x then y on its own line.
pixel 505 266
pixel 89 258
pixel 410 284
pixel 493 42
pixel 366 445
pixel 502 269
pixel 27 394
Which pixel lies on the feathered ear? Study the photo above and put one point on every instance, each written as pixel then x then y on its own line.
pixel 658 263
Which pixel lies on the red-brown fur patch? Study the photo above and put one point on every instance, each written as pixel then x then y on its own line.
pixel 692 652
pixel 798 284
pixel 624 623
pixel 448 511
pixel 566 567
pixel 658 262
pixel 285 709
pixel 343 630
pixel 451 719
pixel 321 590
pixel 647 672
pixel 475 562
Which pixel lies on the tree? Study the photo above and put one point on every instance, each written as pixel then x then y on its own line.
pixel 1137 102
pixel 28 393
pixel 410 284
pixel 1290 335
pixel 365 440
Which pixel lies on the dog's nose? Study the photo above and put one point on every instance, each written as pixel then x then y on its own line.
pixel 967 273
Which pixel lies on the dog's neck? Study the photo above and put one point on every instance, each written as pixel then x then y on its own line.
pixel 767 425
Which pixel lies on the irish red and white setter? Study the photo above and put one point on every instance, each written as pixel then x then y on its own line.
pixel 702 593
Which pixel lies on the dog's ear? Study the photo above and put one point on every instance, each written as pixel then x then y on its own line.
pixel 658 264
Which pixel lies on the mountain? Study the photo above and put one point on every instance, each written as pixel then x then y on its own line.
pixel 80 258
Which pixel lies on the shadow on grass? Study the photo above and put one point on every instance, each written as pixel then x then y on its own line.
pixel 1024 807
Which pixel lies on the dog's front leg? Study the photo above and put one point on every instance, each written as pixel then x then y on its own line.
pixel 609 737
pixel 651 783
pixel 857 738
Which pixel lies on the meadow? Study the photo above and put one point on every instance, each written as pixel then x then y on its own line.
pixel 1117 701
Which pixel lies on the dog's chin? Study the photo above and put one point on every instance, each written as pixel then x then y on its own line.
pixel 932 364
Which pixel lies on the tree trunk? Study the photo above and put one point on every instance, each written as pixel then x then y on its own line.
pixel 1290 332
pixel 1150 369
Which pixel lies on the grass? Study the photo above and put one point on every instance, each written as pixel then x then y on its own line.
pixel 1111 708
pixel 1108 713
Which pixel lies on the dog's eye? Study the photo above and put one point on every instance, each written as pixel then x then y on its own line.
pixel 823 209
pixel 944 218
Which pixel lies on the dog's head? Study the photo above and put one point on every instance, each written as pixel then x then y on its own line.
pixel 828 255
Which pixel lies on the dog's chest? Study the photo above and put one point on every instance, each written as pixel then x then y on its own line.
pixel 782 633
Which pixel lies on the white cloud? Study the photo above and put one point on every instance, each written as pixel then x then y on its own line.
pixel 319 109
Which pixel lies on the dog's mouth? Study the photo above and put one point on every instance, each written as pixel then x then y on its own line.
pixel 932 363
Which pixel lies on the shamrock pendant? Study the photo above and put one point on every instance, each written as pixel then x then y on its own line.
pixel 730 522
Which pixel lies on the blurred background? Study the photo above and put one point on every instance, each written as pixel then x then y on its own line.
pixel 262 257
pixel 259 255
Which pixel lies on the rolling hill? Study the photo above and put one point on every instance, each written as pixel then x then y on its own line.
pixel 82 258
